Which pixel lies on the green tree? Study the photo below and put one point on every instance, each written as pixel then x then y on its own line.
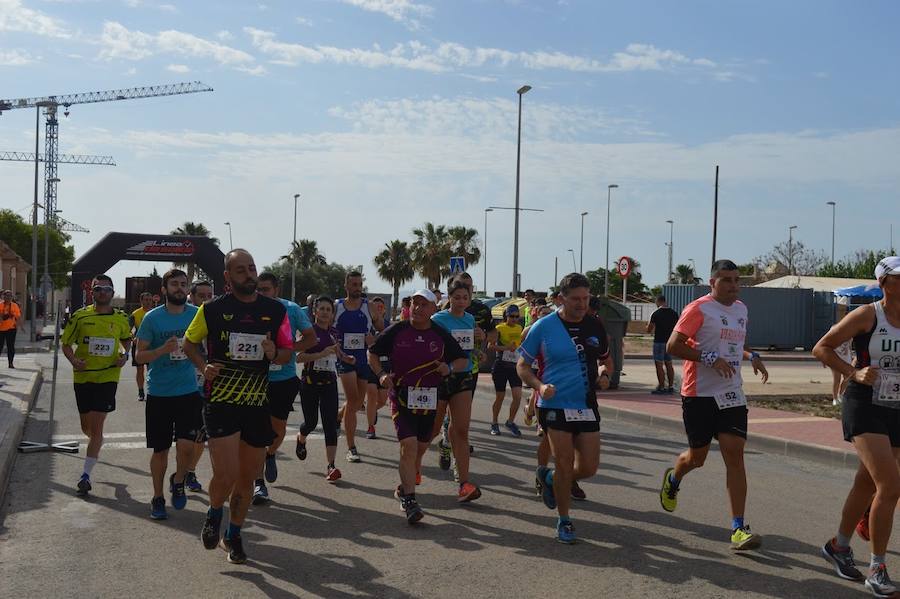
pixel 796 256
pixel 321 279
pixel 305 253
pixel 16 233
pixel 859 265
pixel 684 274
pixel 394 264
pixel 463 241
pixel 431 253
pixel 200 230
pixel 636 286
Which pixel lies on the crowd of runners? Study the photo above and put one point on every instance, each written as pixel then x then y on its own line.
pixel 223 373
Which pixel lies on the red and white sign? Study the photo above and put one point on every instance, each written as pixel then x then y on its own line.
pixel 155 247
pixel 623 266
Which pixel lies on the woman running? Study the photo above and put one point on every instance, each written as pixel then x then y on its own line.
pixel 509 335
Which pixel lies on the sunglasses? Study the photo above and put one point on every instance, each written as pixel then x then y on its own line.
pixel 102 289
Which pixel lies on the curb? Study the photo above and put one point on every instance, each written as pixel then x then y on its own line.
pixel 765 357
pixel 15 429
pixel 828 456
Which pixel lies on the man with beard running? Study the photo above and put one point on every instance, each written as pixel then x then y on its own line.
pixel 173 405
pixel 245 333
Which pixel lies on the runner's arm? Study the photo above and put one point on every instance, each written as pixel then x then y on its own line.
pixel 145 355
pixel 856 323
pixel 307 340
pixel 194 352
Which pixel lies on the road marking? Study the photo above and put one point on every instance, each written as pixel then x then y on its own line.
pixel 785 420
pixel 140 441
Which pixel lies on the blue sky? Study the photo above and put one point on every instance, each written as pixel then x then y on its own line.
pixel 384 114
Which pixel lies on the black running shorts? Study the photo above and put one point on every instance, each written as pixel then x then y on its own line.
pixel 557 420
pixel 703 420
pixel 859 415
pixel 254 423
pixel 504 373
pixel 95 397
pixel 281 397
pixel 174 417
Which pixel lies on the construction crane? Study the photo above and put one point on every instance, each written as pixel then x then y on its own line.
pixel 50 104
pixel 60 158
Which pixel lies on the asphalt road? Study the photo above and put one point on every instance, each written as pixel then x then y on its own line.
pixel 351 540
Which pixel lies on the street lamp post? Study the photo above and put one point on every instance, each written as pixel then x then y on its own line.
pixel 791 249
pixel 671 248
pixel 832 204
pixel 46 282
pixel 484 244
pixel 581 255
pixel 609 189
pixel 294 254
pixel 573 259
pixel 515 290
pixel 230 240
pixel 37 137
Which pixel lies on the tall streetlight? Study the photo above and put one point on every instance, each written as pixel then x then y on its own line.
pixel 230 240
pixel 609 189
pixel 671 248
pixel 832 204
pixel 573 259
pixel 515 290
pixel 484 251
pixel 46 282
pixel 294 253
pixel 791 249
pixel 34 218
pixel 581 255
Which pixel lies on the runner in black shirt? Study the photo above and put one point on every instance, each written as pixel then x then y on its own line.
pixel 662 323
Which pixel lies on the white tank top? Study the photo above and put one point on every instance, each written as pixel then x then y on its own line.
pixel 884 353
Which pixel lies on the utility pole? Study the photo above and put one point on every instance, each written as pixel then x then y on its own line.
pixel 715 215
pixel 293 253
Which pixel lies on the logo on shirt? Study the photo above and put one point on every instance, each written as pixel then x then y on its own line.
pixel 889 362
pixel 266 318
pixel 724 320
pixel 592 341
pixel 741 322
pixel 227 317
pixel 432 347
pixel 882 331
pixel 420 339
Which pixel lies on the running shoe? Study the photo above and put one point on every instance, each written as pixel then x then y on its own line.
pixel 179 498
pixel 191 482
pixel 668 493
pixel 565 532
pixel 271 469
pixel 141 396
pixel 862 527
pixel 260 492
pixel 398 493
pixel 414 513
pixel 880 583
pixel 670 390
pixel 443 455
pixel 210 533
pixel 301 450
pixel 540 476
pixel 83 486
pixel 495 429
pixel 158 508
pixel 353 455
pixel 540 431
pixel 235 548
pixel 659 391
pixel 511 427
pixel 842 561
pixel 742 539
pixel 333 475
pixel 577 492
pixel 471 450
pixel 418 478
pixel 370 434
pixel 468 492
pixel 538 489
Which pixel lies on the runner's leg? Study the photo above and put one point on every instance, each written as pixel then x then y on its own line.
pixel 732 450
pixel 516 402
pixel 876 454
pixel 563 448
pixel 250 461
pixel 224 456
pixel 460 416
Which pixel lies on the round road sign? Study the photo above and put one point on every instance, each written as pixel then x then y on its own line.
pixel 624 267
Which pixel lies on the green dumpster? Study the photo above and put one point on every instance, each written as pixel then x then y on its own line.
pixel 615 317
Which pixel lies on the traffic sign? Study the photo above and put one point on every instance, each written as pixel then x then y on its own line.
pixel 623 266
pixel 457 264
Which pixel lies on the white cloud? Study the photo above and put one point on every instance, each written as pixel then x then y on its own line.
pixel 118 42
pixel 303 21
pixel 15 17
pixel 224 35
pixel 401 11
pixel 450 56
pixel 178 68
pixel 15 58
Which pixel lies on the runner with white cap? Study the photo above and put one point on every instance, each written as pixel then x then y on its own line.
pixel 870 413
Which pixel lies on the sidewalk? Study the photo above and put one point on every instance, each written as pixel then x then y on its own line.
pixel 18 389
pixel 24 345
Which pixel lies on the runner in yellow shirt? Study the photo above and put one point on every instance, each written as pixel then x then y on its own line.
pixel 135 319
pixel 96 342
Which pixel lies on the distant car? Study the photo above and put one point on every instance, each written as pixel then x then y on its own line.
pixel 490 302
pixel 498 308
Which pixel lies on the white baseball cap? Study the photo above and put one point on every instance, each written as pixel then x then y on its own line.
pixel 887 266
pixel 426 294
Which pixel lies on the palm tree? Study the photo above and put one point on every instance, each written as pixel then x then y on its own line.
pixel 395 265
pixel 464 242
pixel 305 254
pixel 191 228
pixel 431 253
pixel 684 274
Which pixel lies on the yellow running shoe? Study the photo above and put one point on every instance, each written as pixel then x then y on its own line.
pixel 668 493
pixel 742 539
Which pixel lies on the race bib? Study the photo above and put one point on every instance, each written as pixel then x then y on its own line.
pixel 101 346
pixel 465 338
pixel 326 364
pixel 245 346
pixel 509 356
pixel 421 398
pixel 585 415
pixel 889 387
pixel 178 354
pixel 730 399
pixel 354 341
